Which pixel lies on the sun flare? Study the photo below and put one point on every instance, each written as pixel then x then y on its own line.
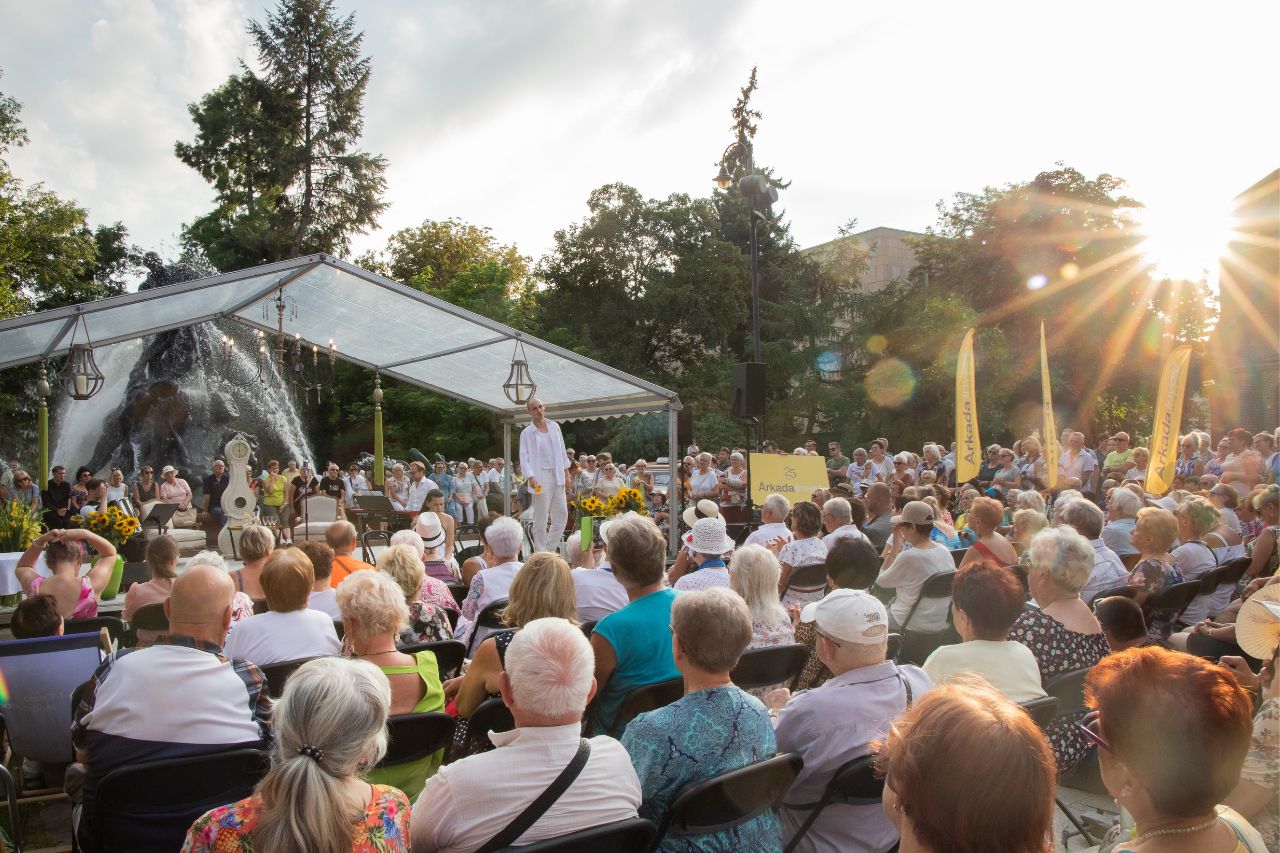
pixel 1183 238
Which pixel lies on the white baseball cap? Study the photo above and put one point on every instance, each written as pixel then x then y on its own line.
pixel 849 616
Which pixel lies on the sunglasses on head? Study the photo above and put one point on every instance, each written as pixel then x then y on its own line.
pixel 1091 728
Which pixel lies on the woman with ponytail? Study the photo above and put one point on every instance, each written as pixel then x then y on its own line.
pixel 330 727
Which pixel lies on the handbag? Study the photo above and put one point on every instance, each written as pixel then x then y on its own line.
pixel 527 818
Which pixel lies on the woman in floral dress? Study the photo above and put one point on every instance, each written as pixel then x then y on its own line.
pixel 1153 535
pixel 330 722
pixel 1059 628
pixel 804 550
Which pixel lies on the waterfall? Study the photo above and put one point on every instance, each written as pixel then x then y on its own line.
pixel 78 424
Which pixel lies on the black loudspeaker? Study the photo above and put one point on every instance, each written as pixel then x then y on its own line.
pixel 684 427
pixel 748 390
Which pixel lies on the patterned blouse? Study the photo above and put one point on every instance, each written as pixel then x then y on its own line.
pixel 1262 768
pixel 815 672
pixel 229 829
pixel 428 621
pixel 1057 650
pixel 765 634
pixel 1154 576
pixel 803 552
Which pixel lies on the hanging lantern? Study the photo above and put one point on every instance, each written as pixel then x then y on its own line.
pixel 80 376
pixel 519 386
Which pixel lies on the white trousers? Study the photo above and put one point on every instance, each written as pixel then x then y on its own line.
pixel 550 499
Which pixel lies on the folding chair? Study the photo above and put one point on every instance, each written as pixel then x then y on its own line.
pixel 458 591
pixel 1042 710
pixel 113 624
pixel 491 716
pixel 412 737
pixel 1176 598
pixel 35 723
pixel 855 783
pixel 770 666
pixel 464 554
pixel 490 619
pixel 808 577
pixel 1068 690
pixel 895 647
pixel 957 556
pixel 589 628
pixel 150 618
pixel 648 697
pixel 1125 591
pixel 366 549
pixel 633 835
pixel 916 646
pixel 730 799
pixel 278 673
pixel 152 804
pixel 1233 570
pixel 449 655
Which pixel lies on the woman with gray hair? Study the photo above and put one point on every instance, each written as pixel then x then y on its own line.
pixel 427 621
pixel 1122 518
pixel 256 544
pixel 373 614
pixel 330 726
pixel 713 729
pixel 1060 629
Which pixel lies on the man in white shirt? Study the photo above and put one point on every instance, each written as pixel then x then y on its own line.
pixel 1108 570
pixel 773 517
pixel 1076 461
pixel 416 495
pixel 543 460
pixel 547 682
pixel 837 518
pixel 354 482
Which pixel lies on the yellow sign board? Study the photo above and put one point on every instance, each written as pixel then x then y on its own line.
pixel 794 477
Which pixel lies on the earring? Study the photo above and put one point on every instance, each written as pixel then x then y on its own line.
pixel 1125 792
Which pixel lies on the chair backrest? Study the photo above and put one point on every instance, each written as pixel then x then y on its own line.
pixel 487 618
pixel 1176 597
pixel 958 555
pixel 589 628
pixel 1042 710
pixel 491 716
pixel 150 617
pixel 464 554
pixel 935 586
pixel 624 836
pixel 278 673
pixel 646 698
pixel 1068 689
pixel 916 646
pixel 113 624
pixel 319 508
pixel 1233 570
pixel 855 783
pixel 732 798
pixel 458 591
pixel 770 665
pixel 366 543
pixel 152 804
pixel 134 573
pixel 895 647
pixel 1124 591
pixel 1130 560
pixel 449 654
pixel 41 674
pixel 412 737
pixel 808 577
pixel 1210 580
pixel 260 606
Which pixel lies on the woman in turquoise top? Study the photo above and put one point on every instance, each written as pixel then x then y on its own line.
pixel 713 729
pixel 633 645
pixel 373 613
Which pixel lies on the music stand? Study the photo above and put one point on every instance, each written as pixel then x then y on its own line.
pixel 161 514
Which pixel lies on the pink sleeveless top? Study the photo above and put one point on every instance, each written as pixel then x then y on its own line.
pixel 86 605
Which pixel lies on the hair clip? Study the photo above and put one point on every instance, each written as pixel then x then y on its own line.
pixel 313 752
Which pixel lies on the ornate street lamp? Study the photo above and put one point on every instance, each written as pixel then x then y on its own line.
pixel 519 386
pixel 80 376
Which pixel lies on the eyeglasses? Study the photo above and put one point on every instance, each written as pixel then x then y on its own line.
pixel 1087 726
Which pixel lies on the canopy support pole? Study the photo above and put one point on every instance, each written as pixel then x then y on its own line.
pixel 379 464
pixel 506 468
pixel 673 484
pixel 42 475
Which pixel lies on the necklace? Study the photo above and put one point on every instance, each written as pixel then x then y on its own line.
pixel 375 654
pixel 1183 830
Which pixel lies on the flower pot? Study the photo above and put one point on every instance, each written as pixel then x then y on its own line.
pixel 112 589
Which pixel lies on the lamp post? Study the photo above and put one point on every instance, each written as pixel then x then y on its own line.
pixel 755 188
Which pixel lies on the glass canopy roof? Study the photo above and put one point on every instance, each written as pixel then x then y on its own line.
pixel 375 322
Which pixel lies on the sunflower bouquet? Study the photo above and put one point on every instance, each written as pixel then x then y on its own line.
pixel 114 525
pixel 590 505
pixel 20 525
pixel 628 500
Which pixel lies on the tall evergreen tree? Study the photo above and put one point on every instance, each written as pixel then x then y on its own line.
pixel 280 149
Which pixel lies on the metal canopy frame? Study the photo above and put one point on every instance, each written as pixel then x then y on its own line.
pixel 460 358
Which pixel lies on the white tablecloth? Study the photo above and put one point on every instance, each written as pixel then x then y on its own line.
pixel 9 579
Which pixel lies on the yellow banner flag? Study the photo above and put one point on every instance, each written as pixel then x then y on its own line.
pixel 968 445
pixel 1051 448
pixel 1164 433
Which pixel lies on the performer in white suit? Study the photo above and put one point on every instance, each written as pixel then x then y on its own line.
pixel 543 460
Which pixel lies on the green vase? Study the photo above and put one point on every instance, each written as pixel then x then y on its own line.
pixel 112 589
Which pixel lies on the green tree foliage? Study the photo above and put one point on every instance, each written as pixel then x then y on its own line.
pixel 280 150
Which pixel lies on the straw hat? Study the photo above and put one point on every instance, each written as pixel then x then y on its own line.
pixel 702 509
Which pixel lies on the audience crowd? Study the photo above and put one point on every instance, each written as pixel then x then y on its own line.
pixel 926 623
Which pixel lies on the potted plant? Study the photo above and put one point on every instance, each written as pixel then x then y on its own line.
pixel 117 527
pixel 20 525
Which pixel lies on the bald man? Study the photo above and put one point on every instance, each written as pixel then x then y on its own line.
pixel 178 697
pixel 543 460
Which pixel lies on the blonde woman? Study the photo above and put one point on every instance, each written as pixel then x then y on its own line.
pixel 1026 524
pixel 1194 557
pixel 427 620
pixel 755 577
pixel 543 588
pixel 330 725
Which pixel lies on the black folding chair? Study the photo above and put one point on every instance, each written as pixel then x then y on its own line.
pixel 464 554
pixel 412 737
pixel 1126 591
pixel 114 625
pixel 260 606
pixel 458 591
pixel 1042 710
pixel 808 577
pixel 895 647
pixel 449 655
pixel 278 673
pixel 152 804
pixel 855 783
pixel 489 618
pixel 1233 570
pixel 957 556
pixel 633 835
pixel 491 716
pixel 1176 598
pixel 1068 690
pixel 771 665
pixel 367 540
pixel 589 628
pixel 133 573
pixel 916 646
pixel 149 617
pixel 646 698
pixel 730 799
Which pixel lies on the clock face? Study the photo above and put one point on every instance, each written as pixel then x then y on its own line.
pixel 238 450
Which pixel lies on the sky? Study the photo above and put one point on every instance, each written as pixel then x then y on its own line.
pixel 509 114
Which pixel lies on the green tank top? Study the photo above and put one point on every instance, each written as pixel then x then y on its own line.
pixel 273 496
pixel 412 776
